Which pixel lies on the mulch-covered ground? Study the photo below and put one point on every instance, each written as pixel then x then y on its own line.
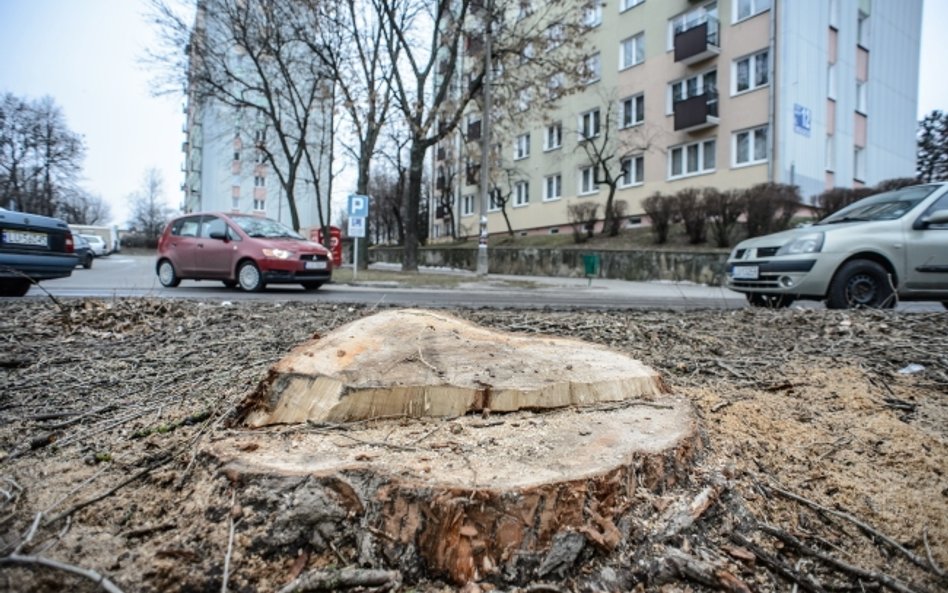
pixel 824 469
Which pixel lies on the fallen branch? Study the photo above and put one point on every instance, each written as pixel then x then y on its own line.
pixel 705 573
pixel 878 577
pixel 807 582
pixel 347 578
pixel 868 529
pixel 99 579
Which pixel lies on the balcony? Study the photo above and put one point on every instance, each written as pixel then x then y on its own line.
pixel 698 43
pixel 696 113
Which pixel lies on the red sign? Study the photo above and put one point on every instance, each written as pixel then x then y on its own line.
pixel 335 243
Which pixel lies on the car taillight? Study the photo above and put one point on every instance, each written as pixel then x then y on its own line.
pixel 70 244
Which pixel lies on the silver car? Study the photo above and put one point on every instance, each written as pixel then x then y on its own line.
pixel 887 247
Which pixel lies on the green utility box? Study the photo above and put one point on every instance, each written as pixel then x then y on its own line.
pixel 591 263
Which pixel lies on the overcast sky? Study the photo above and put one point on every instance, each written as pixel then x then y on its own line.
pixel 85 55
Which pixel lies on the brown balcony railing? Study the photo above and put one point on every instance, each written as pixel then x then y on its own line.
pixel 699 42
pixel 695 113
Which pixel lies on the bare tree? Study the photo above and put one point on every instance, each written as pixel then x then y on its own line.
pixel 433 83
pixel 149 211
pixel 932 139
pixel 40 157
pixel 80 207
pixel 258 58
pixel 612 144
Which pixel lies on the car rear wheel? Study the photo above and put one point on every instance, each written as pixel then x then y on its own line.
pixel 311 285
pixel 861 283
pixel 249 277
pixel 87 261
pixel 166 274
pixel 14 287
pixel 230 283
pixel 769 301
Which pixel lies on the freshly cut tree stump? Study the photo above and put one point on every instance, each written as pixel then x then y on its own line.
pixel 502 497
pixel 421 363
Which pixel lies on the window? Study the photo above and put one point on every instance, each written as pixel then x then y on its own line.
pixel 632 51
pixel 592 13
pixel 554 36
pixel 633 111
pixel 751 72
pixel 522 146
pixel 552 187
pixel 589 124
pixel 834 14
pixel 831 81
pixel 555 84
pixel 524 98
pixel 236 156
pixel 494 201
pixel 830 153
pixel 689 20
pixel 627 4
pixel 862 96
pixel 258 205
pixel 747 8
pixel 587 181
pixel 521 193
pixel 592 69
pixel 859 164
pixel 691 159
pixel 261 157
pixel 862 30
pixel 259 181
pixel 750 146
pixel 633 171
pixel 235 202
pixel 554 136
pixel 693 87
pixel 467 205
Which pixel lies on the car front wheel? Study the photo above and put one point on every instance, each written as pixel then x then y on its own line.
pixel 249 277
pixel 861 283
pixel 14 287
pixel 166 274
pixel 769 301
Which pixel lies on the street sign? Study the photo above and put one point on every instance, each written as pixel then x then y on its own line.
pixel 357 227
pixel 358 206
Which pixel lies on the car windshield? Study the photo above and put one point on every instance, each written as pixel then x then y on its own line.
pixel 886 206
pixel 265 228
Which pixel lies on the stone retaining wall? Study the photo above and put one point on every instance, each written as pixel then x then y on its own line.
pixel 703 267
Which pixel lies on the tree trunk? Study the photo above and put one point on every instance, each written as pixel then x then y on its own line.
pixel 410 205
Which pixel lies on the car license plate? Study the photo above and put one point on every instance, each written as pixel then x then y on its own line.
pixel 315 265
pixel 745 273
pixel 25 238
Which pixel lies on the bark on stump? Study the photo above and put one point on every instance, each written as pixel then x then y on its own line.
pixel 506 497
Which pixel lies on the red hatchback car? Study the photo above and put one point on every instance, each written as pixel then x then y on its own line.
pixel 239 249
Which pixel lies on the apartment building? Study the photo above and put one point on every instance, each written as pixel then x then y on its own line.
pixel 225 165
pixel 727 93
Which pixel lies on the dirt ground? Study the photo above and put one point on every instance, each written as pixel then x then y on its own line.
pixel 826 450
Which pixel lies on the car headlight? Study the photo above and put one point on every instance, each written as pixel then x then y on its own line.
pixel 809 243
pixel 278 253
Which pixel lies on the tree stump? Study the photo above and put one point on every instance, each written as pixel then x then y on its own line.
pixel 393 459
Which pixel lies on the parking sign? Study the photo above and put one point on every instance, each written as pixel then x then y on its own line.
pixel 356 227
pixel 358 206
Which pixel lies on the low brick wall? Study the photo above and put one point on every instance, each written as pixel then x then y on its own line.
pixel 640 265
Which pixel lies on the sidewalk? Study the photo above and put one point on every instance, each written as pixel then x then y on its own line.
pixel 650 290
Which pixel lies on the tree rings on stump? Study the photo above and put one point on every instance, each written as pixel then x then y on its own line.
pixel 506 497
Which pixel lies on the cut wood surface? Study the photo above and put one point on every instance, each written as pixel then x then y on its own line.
pixel 422 363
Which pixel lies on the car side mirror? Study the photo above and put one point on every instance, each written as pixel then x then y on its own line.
pixel 219 235
pixel 936 217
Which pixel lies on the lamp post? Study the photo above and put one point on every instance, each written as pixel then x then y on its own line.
pixel 485 146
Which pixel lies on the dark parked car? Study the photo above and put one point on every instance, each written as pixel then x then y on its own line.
pixel 239 249
pixel 33 248
pixel 83 251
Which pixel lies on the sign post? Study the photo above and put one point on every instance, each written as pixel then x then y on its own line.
pixel 358 212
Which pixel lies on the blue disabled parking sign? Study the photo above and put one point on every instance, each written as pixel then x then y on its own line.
pixel 358 206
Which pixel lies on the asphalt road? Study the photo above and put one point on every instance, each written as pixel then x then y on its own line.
pixel 121 275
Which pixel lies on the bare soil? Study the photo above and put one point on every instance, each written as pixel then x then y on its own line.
pixel 823 466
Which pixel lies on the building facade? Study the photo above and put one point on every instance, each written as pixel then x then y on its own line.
pixel 727 93
pixel 225 151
